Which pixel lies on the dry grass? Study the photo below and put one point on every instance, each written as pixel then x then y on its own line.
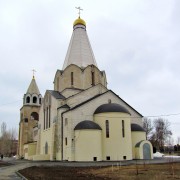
pixel 141 172
pixel 132 172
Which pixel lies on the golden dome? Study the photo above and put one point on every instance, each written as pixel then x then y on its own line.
pixel 79 21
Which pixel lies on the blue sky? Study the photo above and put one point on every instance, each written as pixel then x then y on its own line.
pixel 136 42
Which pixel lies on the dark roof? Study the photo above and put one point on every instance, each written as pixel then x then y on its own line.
pixel 64 106
pixel 111 107
pixel 56 94
pixel 136 127
pixel 87 125
pixel 139 143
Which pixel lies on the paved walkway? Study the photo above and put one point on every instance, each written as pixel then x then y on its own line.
pixel 9 172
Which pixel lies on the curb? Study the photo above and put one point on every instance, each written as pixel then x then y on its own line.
pixel 21 176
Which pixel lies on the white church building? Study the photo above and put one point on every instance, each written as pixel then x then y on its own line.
pixel 81 119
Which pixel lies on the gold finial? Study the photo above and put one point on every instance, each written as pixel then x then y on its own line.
pixel 33 72
pixel 79 8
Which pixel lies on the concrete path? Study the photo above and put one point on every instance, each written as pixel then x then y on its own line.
pixel 9 172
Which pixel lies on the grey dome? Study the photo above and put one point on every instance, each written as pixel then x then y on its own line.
pixel 136 127
pixel 87 125
pixel 111 107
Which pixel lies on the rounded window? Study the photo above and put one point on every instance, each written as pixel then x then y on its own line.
pixel 28 99
pixel 34 116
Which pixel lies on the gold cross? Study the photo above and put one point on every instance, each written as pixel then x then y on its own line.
pixel 33 72
pixel 79 8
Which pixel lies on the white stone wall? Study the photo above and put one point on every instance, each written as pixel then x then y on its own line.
pixel 116 147
pixel 85 95
pixel 88 144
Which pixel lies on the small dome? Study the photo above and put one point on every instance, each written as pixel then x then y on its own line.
pixel 87 125
pixel 111 107
pixel 136 127
pixel 79 21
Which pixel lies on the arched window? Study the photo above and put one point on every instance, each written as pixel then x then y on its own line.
pixel 46 148
pixel 34 116
pixel 28 99
pixel 34 99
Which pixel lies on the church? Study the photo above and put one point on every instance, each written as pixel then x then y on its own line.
pixel 81 119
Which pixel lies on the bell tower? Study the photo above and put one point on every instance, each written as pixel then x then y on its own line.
pixel 29 116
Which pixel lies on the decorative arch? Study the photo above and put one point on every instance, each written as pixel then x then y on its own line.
pixel 35 116
pixel 144 150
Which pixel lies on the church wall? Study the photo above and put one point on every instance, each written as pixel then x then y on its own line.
pixel 40 128
pixel 47 135
pixel 65 78
pixel 68 137
pixel 137 136
pixel 88 80
pixel 75 77
pixel 88 145
pixel 60 133
pixel 115 146
pixel 56 80
pixel 85 95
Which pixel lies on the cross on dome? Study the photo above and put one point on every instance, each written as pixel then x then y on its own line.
pixel 79 8
pixel 33 72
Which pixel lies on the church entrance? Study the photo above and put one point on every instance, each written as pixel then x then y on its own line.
pixel 146 151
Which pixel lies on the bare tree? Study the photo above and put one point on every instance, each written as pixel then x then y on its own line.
pixel 161 133
pixel 178 140
pixel 147 127
pixel 7 140
pixel 3 128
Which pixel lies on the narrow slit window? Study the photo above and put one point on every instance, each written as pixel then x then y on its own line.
pixel 44 118
pixel 66 141
pixel 72 78
pixel 93 80
pixel 49 116
pixel 107 129
pixel 123 130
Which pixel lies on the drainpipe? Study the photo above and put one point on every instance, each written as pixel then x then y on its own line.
pixel 62 136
